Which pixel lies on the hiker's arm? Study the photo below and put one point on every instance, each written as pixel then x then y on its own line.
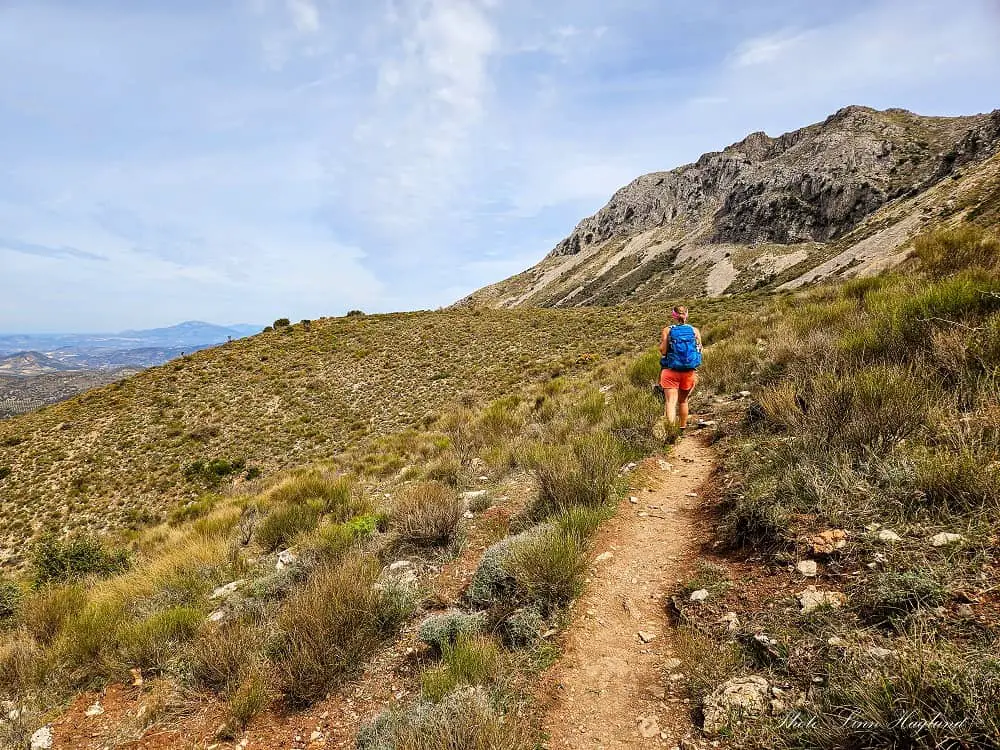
pixel 697 335
pixel 664 341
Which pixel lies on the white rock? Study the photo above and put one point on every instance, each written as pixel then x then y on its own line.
pixel 649 727
pixel 316 736
pixel 42 739
pixel 812 599
pixel 730 620
pixel 806 568
pixel 881 653
pixel 400 565
pixel 734 699
pixel 945 538
pixel 604 557
pixel 699 596
pixel 633 499
pixel 836 642
pixel 217 616
pixel 224 591
pixel 474 495
pixel 646 637
pixel 468 514
pixel 671 664
pixel 888 536
pixel 96 709
pixel 285 558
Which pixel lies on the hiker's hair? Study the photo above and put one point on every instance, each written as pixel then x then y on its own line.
pixel 681 311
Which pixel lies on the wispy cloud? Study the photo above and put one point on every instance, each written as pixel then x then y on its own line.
pixel 767 49
pixel 47 251
pixel 305 15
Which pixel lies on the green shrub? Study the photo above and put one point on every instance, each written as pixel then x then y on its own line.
pixel 151 642
pixel 443 630
pixel 548 567
pixel 426 513
pixel 860 287
pixel 631 417
pixel 10 600
pixel 523 627
pixel 55 560
pixel 193 509
pixel 330 626
pixel 281 323
pixel 470 660
pixel 88 640
pixel 887 597
pixel 247 699
pixel 465 719
pixel 960 481
pixel 4 472
pixel 45 612
pixel 580 522
pixel 755 521
pixel 872 408
pixel 928 696
pixel 213 472
pixel 947 251
pixel 286 522
pixel 645 370
pixel 585 472
pixel 335 495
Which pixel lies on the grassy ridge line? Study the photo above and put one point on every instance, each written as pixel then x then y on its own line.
pixel 116 457
pixel 875 418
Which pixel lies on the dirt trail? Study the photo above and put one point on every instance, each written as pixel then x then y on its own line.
pixel 608 689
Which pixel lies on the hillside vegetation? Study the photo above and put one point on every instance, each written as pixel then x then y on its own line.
pixel 126 455
pixel 868 468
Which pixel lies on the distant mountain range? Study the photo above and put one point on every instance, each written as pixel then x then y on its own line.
pixel 36 354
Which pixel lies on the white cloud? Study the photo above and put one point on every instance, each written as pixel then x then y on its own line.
pixel 305 15
pixel 766 49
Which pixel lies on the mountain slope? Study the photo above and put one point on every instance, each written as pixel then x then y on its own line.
pixel 838 197
pixel 31 363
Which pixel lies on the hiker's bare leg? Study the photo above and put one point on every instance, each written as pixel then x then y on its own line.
pixel 682 405
pixel 670 404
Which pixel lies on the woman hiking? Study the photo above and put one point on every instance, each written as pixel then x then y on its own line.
pixel 680 345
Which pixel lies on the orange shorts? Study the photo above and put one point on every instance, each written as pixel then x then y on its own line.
pixel 682 381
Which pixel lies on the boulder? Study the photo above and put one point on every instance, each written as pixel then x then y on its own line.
pixel 812 599
pixel 699 596
pixel 734 700
pixel 888 536
pixel 42 739
pixel 224 591
pixel 806 568
pixel 945 539
pixel 829 541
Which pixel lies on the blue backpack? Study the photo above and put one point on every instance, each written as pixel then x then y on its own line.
pixel 682 351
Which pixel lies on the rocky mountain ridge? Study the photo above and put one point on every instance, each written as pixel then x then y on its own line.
pixel 770 211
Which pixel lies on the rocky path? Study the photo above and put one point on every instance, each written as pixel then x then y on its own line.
pixel 609 690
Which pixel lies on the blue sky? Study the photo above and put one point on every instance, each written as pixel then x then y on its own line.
pixel 242 160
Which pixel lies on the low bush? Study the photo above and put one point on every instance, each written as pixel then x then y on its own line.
pixel 151 642
pixel 56 560
pixel 887 597
pixel 45 612
pixel 331 625
pixel 548 567
pixel 334 495
pixel 580 522
pixel 470 660
pixel 948 251
pixel 193 509
pixel 630 418
pixel 439 631
pixel 286 522
pixel 928 696
pixel 214 471
pixel 962 481
pixel 426 513
pixel 465 718
pixel 247 699
pixel 585 472
pixel 10 600
pixel 219 656
pixel 643 371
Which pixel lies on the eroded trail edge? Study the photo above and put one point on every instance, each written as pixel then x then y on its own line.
pixel 610 688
